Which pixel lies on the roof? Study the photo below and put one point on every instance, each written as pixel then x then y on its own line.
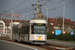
pixel 8 21
pixel 57 21
pixel 73 23
pixel 68 21
pixel 38 21
pixel 52 20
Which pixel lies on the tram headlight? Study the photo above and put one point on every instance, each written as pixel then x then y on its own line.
pixel 42 39
pixel 36 39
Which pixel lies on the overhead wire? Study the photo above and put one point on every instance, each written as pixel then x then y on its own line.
pixel 32 9
pixel 17 5
pixel 23 8
pixel 55 2
pixel 46 2
pixel 29 2
pixel 65 5
pixel 24 11
pixel 61 5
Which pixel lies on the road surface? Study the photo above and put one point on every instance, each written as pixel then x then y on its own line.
pixel 4 45
pixel 61 43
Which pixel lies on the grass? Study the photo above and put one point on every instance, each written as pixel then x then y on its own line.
pixel 72 41
pixel 61 40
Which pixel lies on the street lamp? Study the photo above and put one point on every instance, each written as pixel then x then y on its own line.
pixel 47 12
pixel 63 15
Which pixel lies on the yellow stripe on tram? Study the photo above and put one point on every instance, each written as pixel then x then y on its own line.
pixel 39 38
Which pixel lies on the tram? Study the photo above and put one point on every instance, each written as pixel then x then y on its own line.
pixel 33 32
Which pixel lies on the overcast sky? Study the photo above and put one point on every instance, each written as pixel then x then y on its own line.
pixel 23 7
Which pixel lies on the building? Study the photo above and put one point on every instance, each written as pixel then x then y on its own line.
pixel 2 27
pixel 5 24
pixel 57 24
pixel 53 24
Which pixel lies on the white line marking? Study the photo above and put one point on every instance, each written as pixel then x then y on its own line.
pixel 19 44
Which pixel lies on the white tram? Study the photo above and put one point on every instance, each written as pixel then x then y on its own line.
pixel 32 32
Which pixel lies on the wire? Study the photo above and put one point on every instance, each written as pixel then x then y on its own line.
pixel 17 5
pixel 24 11
pixel 55 2
pixel 29 2
pixel 61 5
pixel 23 8
pixel 46 2
pixel 65 4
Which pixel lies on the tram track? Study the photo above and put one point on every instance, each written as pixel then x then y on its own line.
pixel 46 46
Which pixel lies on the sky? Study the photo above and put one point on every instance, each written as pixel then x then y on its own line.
pixel 23 7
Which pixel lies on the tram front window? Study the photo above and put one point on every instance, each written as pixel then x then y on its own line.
pixel 39 29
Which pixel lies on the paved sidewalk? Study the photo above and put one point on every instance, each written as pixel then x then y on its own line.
pixel 61 43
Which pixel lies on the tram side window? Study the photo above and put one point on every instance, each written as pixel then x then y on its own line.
pixel 31 29
pixel 13 29
pixel 27 29
pixel 19 30
pixel 16 30
pixel 23 29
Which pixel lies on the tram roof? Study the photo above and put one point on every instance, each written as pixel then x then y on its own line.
pixel 38 21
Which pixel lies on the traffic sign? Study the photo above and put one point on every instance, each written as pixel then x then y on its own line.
pixel 72 32
pixel 52 32
pixel 57 32
pixel 2 31
pixel 64 32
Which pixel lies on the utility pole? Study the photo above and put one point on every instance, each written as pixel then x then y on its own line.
pixel 20 18
pixel 1 17
pixel 47 15
pixel 37 9
pixel 63 15
pixel 6 27
pixel 27 17
pixel 11 24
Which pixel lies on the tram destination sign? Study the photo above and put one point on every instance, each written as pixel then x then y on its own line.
pixel 38 24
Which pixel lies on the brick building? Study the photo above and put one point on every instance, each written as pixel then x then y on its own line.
pixel 57 24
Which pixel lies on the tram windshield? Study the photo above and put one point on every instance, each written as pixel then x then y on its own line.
pixel 39 29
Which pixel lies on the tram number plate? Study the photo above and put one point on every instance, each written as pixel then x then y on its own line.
pixel 39 38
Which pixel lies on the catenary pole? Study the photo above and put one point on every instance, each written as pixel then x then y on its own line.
pixel 47 15
pixel 37 9
pixel 11 24
pixel 27 17
pixel 63 15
